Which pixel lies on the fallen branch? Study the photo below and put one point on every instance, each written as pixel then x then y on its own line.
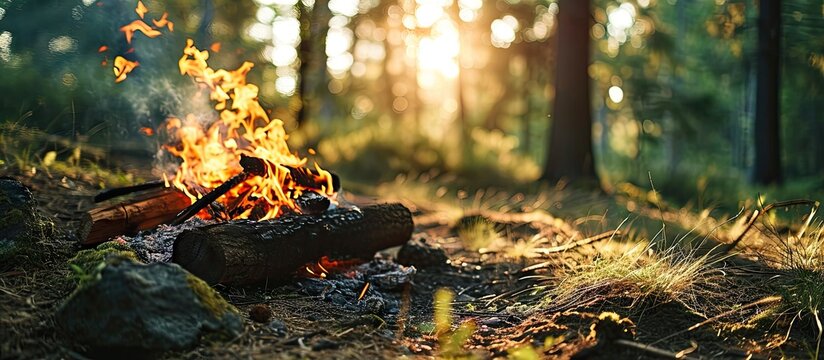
pixel 247 252
pixel 582 242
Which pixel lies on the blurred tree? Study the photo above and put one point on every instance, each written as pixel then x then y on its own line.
pixel 767 167
pixel 314 23
pixel 570 144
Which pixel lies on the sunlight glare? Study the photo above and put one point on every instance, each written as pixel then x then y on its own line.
pixel 503 31
pixel 265 14
pixel 259 32
pixel 428 13
pixel 5 46
pixel 347 8
pixel 439 52
pixel 62 44
pixel 286 31
pixel 286 85
pixel 616 94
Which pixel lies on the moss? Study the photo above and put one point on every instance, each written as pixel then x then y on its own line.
pixel 87 262
pixel 210 298
pixel 26 230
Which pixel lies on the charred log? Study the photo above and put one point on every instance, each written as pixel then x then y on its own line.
pixel 127 218
pixel 245 252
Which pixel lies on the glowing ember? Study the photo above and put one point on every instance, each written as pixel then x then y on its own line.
pixel 139 25
pixel 122 67
pixel 164 22
pixel 141 9
pixel 210 156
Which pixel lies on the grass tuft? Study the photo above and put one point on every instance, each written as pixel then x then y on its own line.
pixel 477 233
pixel 640 274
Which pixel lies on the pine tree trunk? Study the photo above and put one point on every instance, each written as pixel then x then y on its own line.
pixel 767 167
pixel 570 148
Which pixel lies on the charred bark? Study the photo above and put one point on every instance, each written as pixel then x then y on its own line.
pixel 246 252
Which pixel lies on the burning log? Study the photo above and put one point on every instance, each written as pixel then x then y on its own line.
pixel 252 166
pixel 246 252
pixel 141 213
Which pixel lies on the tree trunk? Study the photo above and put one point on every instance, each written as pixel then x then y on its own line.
pixel 570 148
pixel 247 252
pixel 312 50
pixel 767 167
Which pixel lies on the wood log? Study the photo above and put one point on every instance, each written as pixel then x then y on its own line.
pixel 243 252
pixel 127 218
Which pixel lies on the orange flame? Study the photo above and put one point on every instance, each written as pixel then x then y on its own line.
pixel 164 22
pixel 210 156
pixel 122 67
pixel 141 9
pixel 139 25
pixel 147 131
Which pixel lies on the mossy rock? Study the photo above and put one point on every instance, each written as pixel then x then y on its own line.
pixel 130 308
pixel 86 262
pixel 21 226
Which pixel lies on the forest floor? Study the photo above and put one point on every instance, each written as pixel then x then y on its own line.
pixel 560 273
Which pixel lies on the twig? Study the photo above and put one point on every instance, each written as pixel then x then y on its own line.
pixel 116 192
pixel 653 350
pixel 757 214
pixel 578 243
pixel 764 301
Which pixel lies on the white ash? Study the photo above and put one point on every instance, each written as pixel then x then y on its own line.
pixel 155 246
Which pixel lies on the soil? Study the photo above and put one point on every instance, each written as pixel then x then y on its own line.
pixel 288 321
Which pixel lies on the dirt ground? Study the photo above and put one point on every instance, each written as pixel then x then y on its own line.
pixel 500 294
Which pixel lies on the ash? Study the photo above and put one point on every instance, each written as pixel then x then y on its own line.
pixel 383 297
pixel 155 246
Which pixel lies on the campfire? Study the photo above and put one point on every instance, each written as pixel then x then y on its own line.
pixel 264 211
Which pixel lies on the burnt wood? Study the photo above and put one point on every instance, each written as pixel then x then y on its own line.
pixel 127 218
pixel 243 252
pixel 126 190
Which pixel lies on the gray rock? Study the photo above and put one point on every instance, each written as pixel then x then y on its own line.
pixel 131 308
pixel 422 254
pixel 21 226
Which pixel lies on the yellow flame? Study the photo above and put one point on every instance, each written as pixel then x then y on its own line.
pixel 210 156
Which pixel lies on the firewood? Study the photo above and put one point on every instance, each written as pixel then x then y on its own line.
pixel 127 218
pixel 243 252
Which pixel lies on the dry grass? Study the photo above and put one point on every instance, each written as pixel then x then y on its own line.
pixel 641 274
